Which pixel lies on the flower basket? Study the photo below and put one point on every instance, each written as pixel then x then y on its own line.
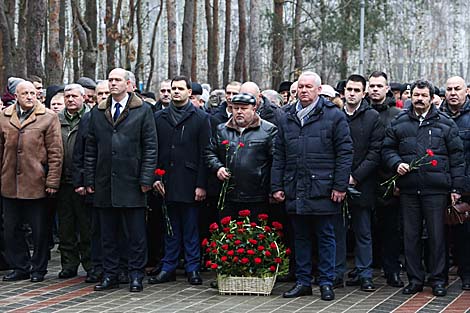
pixel 231 285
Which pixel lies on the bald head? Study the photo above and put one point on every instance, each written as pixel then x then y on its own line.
pixel 25 95
pixel 456 93
pixel 252 89
pixel 119 83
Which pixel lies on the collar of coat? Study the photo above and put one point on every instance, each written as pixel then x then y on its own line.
pixel 188 112
pixel 133 102
pixel 39 109
pixel 255 123
pixel 322 102
pixel 464 109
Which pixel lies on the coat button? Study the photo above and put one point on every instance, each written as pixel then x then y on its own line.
pixel 172 146
pixel 113 174
pixel 113 153
pixel 172 164
pixel 114 131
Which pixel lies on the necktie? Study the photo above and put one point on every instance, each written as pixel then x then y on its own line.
pixel 117 111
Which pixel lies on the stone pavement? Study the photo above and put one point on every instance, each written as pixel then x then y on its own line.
pixel 73 295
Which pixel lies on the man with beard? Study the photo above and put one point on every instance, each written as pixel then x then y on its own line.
pixel 367 134
pixel 457 105
pixel 425 190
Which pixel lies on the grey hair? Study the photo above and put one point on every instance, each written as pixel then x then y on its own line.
pixel 316 77
pixel 73 87
pixel 131 77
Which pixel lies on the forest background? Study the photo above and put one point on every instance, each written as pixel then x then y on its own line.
pixel 218 41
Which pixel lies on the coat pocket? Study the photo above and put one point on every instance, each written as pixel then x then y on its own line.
pixel 289 187
pixel 320 185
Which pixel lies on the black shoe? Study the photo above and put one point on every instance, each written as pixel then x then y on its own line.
pixel 465 284
pixel 367 285
pixel 214 284
pixel 338 283
pixel 67 273
pixel 123 278
pixel 394 280
pixel 412 288
pixel 327 293
pixel 162 277
pixel 194 278
pixel 14 276
pixel 36 277
pixel 136 285
pixel 353 273
pixel 107 284
pixel 297 291
pixel 354 281
pixel 155 270
pixel 439 290
pixel 290 277
pixel 93 277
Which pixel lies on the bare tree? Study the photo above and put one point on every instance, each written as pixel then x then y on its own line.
pixel 54 61
pixel 6 68
pixel 298 65
pixel 194 46
pixel 277 63
pixel 255 46
pixel 36 26
pixel 239 70
pixel 212 21
pixel 139 64
pixel 227 50
pixel 186 38
pixel 172 52
pixel 152 47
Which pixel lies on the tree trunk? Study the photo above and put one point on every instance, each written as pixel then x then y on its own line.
pixel 277 65
pixel 75 58
pixel 139 64
pixel 172 53
pixel 152 47
pixel 298 64
pixel 110 41
pixel 194 46
pixel 255 46
pixel 228 30
pixel 54 57
pixel 240 64
pixel 210 36
pixel 214 61
pixel 6 66
pixel 187 38
pixel 36 23
pixel 126 40
pixel 62 29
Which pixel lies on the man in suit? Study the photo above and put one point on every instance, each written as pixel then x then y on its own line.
pixel 183 134
pixel 120 159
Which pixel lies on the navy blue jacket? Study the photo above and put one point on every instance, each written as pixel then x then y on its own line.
pixel 181 152
pixel 312 160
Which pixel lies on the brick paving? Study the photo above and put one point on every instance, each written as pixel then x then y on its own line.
pixel 73 295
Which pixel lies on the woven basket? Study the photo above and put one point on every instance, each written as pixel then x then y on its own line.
pixel 229 285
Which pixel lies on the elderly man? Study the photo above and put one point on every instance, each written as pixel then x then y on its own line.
pixel 312 162
pixel 251 172
pixel 102 90
pixel 73 215
pixel 425 191
pixel 265 109
pixel 31 157
pixel 120 159
pixel 457 106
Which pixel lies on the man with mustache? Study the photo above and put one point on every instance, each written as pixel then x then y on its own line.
pixel 425 190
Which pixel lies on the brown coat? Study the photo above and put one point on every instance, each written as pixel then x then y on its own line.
pixel 31 153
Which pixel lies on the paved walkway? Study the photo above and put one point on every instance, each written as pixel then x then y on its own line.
pixel 73 295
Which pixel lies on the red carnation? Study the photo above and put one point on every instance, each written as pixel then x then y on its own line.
pixel 260 248
pixel 214 266
pixel 288 251
pixel 267 253
pixel 253 241
pixel 429 152
pixel 230 236
pixel 277 225
pixel 434 162
pixel 224 258
pixel 241 144
pixel 240 250
pixel 235 259
pixel 214 251
pixel 273 245
pixel 213 244
pixel 225 142
pixel 225 220
pixel 204 242
pixel 160 172
pixel 261 236
pixel 237 242
pixel 213 227
pixel 258 261
pixel 208 250
pixel 208 263
pixel 267 228
pixel 230 253
pixel 239 224
pixel 272 268
pixel 226 229
pixel 245 260
pixel 244 213
pixel 224 247
pixel 250 252
pixel 263 217
pixel 280 234
pixel 278 260
pixel 241 230
pixel 253 224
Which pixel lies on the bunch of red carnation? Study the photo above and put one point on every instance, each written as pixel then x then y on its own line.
pixel 246 248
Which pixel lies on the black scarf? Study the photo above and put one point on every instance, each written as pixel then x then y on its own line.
pixel 176 113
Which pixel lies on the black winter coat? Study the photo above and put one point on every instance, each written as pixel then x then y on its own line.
pixel 406 141
pixel 181 152
pixel 312 160
pixel 250 165
pixel 367 133
pixel 121 157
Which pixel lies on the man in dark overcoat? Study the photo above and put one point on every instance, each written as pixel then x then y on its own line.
pixel 120 159
pixel 311 166
pixel 183 134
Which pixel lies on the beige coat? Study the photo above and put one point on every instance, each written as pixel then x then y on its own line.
pixel 31 153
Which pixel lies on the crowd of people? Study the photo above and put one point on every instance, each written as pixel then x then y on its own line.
pixel 130 182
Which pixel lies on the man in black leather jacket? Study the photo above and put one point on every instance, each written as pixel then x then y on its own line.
pixel 250 142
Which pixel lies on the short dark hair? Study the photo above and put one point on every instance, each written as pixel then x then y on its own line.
pixel 180 78
pixel 378 74
pixel 357 78
pixel 423 83
pixel 35 79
